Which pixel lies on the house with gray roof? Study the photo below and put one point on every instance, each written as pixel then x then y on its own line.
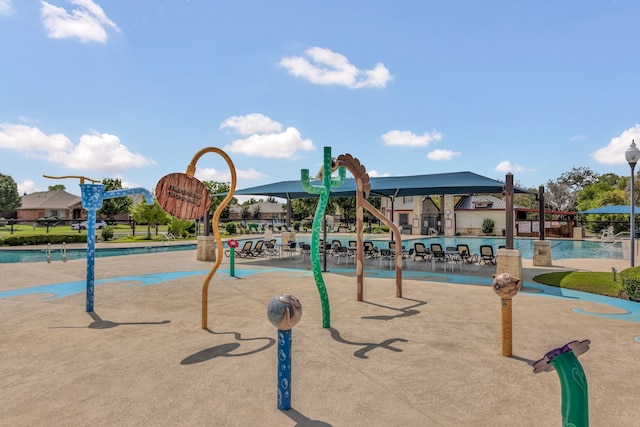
pixel 47 204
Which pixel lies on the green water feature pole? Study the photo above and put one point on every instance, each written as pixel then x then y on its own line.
pixel 323 191
pixel 573 381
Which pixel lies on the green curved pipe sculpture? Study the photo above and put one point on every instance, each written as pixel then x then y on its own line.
pixel 573 381
pixel 323 192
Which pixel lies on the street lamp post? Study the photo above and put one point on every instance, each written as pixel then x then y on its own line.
pixel 632 155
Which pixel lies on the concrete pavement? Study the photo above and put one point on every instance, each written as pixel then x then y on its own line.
pixel 432 358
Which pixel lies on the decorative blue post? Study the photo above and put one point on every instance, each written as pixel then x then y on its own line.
pixel 284 312
pixel 92 197
pixel 284 369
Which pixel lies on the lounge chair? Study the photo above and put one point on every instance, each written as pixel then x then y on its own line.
pixel 246 249
pixel 387 256
pixel 370 251
pixel 258 249
pixel 487 255
pixel 466 254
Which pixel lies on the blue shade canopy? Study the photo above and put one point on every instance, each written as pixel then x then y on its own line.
pixel 612 210
pixel 397 186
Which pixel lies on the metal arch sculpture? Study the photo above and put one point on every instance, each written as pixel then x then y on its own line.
pixel 193 206
pixel 323 192
pixel 191 170
pixel 363 188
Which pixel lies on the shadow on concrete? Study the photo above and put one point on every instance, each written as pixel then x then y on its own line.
pixel 522 359
pixel 404 311
pixel 98 323
pixel 224 350
pixel 303 421
pixel 366 347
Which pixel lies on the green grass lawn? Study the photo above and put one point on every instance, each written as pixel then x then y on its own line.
pixel 593 282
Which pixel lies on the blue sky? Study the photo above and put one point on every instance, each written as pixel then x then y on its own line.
pixel 134 89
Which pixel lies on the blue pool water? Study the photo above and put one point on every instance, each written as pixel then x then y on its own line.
pixel 560 248
pixel 40 255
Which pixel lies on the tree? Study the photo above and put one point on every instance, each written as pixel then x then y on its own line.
pixel 9 197
pixel 244 212
pixel 57 187
pixel 256 212
pixel 150 215
pixel 216 187
pixel 117 205
pixel 347 206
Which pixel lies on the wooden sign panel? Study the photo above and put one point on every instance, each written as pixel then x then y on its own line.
pixel 182 196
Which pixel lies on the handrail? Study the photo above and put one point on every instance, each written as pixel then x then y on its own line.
pixel 49 253
pixel 63 251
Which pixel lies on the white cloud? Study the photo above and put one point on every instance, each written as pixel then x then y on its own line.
pixel 576 138
pixel 252 123
pixel 210 174
pixel 95 151
pixel 330 68
pixel 27 187
pixel 613 154
pixel 506 166
pixel 376 174
pixel 266 138
pixel 442 154
pixel 87 21
pixel 5 7
pixel 405 138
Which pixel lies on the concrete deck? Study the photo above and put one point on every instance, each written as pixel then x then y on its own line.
pixel 432 358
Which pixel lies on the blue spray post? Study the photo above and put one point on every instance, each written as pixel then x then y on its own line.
pixel 92 197
pixel 284 312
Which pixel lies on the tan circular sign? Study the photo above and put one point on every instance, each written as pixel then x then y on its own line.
pixel 182 196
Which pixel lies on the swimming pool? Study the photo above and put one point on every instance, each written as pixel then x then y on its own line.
pixel 560 248
pixel 40 255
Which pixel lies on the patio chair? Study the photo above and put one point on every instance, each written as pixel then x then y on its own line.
pixel 438 257
pixel 453 258
pixel 466 254
pixel 385 255
pixel 487 255
pixel 271 249
pixel 305 251
pixel 290 249
pixel 246 249
pixel 436 247
pixel 420 251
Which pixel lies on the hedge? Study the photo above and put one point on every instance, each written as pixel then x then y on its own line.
pixel 43 239
pixel 630 280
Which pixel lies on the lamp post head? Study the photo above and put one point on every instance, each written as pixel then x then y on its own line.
pixel 632 155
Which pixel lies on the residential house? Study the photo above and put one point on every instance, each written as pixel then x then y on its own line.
pixel 48 204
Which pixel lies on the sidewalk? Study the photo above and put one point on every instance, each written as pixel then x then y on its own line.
pixel 431 358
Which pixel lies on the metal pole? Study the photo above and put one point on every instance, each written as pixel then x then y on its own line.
pixel 509 211
pixel 541 210
pixel 633 225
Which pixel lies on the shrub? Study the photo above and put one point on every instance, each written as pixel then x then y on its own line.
pixel 487 226
pixel 630 281
pixel 178 227
pixel 43 239
pixel 296 225
pixel 231 228
pixel 107 233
